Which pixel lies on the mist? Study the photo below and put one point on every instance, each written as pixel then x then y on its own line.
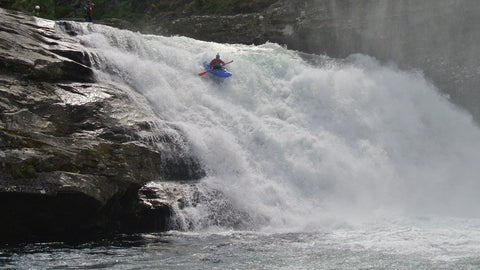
pixel 437 37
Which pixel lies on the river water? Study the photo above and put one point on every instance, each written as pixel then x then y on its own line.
pixel 421 244
pixel 312 162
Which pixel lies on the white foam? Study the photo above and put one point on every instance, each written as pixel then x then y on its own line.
pixel 298 145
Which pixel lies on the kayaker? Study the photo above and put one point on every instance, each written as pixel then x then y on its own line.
pixel 216 63
pixel 88 11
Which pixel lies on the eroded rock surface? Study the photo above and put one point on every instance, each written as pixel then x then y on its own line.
pixel 74 152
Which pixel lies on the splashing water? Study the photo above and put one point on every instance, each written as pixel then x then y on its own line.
pixel 312 163
pixel 300 141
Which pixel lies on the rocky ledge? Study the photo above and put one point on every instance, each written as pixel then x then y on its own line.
pixel 74 160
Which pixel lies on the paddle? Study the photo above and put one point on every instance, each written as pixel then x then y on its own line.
pixel 205 72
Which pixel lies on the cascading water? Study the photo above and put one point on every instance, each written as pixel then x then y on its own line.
pixel 300 142
pixel 311 162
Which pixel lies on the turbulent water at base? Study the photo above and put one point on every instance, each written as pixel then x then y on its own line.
pixel 312 163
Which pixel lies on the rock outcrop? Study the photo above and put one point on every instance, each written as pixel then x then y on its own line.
pixel 73 156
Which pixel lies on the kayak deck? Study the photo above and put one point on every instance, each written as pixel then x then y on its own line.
pixel 217 72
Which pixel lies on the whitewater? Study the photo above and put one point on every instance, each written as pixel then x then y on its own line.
pixel 311 162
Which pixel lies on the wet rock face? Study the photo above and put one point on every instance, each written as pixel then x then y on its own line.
pixel 72 155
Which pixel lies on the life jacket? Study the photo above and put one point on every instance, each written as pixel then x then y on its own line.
pixel 88 9
pixel 216 63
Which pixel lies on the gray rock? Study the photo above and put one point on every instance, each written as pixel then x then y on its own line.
pixel 73 156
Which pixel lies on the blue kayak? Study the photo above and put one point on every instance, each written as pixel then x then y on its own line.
pixel 217 72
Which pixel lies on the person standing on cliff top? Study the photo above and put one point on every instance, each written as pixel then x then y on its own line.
pixel 88 11
pixel 36 11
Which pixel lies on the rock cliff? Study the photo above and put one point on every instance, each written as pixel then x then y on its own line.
pixel 74 159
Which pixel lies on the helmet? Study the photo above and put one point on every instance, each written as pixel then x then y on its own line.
pixel 37 7
pixel 218 56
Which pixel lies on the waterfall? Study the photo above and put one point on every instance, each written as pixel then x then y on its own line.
pixel 294 141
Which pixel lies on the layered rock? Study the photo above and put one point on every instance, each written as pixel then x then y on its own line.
pixel 73 155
